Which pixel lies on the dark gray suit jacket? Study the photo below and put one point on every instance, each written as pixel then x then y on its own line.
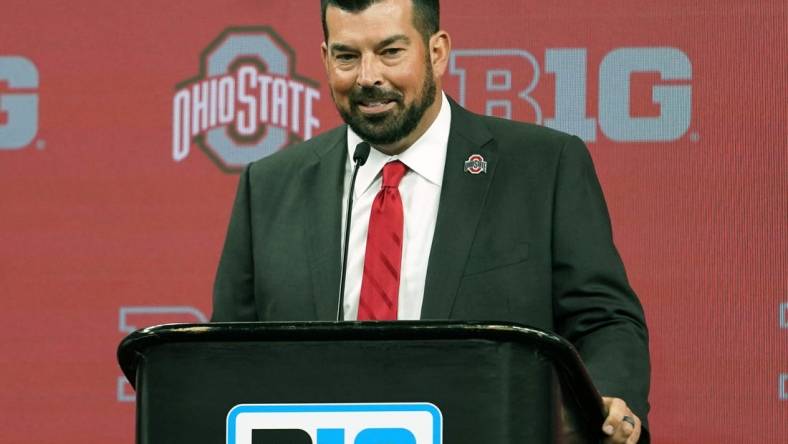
pixel 529 241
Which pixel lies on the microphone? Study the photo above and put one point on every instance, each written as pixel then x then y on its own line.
pixel 360 156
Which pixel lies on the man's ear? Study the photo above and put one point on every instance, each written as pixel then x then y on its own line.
pixel 440 49
pixel 324 55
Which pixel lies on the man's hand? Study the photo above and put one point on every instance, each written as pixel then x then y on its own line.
pixel 621 425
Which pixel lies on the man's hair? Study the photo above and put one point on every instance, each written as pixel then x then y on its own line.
pixel 426 13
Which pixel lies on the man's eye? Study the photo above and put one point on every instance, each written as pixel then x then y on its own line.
pixel 345 57
pixel 390 52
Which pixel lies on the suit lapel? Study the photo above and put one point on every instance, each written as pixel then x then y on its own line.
pixel 462 200
pixel 324 182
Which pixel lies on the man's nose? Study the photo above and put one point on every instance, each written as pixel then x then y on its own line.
pixel 369 73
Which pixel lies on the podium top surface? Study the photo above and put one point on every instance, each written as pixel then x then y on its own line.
pixel 134 350
pixel 564 358
pixel 561 352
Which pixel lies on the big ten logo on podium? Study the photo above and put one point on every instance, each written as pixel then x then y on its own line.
pixel 18 102
pixel 404 423
pixel 131 319
pixel 508 83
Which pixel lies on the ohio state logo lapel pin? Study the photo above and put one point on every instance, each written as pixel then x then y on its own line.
pixel 476 164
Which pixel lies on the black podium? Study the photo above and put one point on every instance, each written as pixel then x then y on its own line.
pixel 480 383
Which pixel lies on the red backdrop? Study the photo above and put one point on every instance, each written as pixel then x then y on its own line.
pixel 105 226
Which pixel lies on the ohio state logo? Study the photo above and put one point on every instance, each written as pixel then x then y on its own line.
pixel 247 103
pixel 476 164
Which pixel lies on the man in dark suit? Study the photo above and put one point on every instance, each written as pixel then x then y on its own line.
pixel 516 227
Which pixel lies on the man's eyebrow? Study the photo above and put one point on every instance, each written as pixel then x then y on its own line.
pixel 339 47
pixel 394 39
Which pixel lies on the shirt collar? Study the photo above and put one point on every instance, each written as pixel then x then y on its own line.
pixel 426 157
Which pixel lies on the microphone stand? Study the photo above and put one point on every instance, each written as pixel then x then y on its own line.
pixel 360 156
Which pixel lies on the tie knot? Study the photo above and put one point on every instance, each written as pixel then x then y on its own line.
pixel 392 173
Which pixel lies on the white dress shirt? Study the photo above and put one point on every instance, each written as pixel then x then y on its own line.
pixel 420 190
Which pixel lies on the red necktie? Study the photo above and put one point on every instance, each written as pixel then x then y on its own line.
pixel 380 285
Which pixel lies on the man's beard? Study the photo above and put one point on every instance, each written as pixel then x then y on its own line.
pixel 391 126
